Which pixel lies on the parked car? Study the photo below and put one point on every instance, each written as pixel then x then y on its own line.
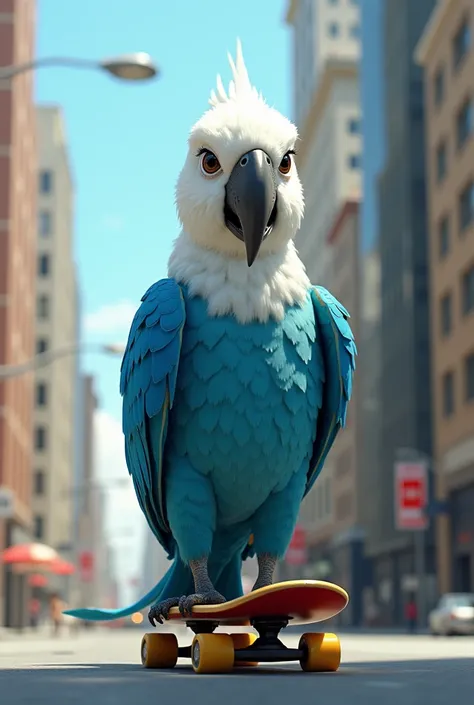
pixel 454 614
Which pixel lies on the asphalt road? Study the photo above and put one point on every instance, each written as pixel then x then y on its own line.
pixel 103 667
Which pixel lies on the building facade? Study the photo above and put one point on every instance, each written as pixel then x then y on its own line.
pixel 405 374
pixel 349 566
pixel 56 327
pixel 372 92
pixel 18 179
pixel 327 112
pixel 446 51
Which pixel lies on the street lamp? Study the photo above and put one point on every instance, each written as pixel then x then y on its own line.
pixel 138 66
pixel 46 358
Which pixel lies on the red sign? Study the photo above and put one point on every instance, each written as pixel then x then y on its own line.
pixel 86 563
pixel 297 553
pixel 411 496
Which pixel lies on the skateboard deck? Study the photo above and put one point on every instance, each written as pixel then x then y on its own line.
pixel 302 601
pixel 268 610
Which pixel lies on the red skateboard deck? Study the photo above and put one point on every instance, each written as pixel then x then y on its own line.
pixel 303 601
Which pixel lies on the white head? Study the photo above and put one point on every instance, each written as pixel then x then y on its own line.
pixel 238 193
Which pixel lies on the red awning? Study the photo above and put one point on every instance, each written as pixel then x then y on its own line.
pixel 30 554
pixel 37 580
pixel 62 567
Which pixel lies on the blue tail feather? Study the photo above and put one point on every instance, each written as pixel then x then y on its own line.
pixel 176 582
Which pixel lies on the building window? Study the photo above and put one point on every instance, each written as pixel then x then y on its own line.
pixel 333 29
pixel 441 161
pixel 464 123
pixel 41 346
pixel 353 126
pixel 443 234
pixel 39 527
pixel 41 394
pixel 39 482
pixel 446 314
pixel 42 307
pixel 469 377
pixel 461 43
pixel 439 86
pixel 43 265
pixel 45 181
pixel 40 438
pixel 355 31
pixel 354 161
pixel 448 394
pixel 44 223
pixel 466 206
pixel 468 291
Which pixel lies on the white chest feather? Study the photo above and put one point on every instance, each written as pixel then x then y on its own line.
pixel 259 292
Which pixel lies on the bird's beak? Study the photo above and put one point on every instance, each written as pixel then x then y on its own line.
pixel 251 201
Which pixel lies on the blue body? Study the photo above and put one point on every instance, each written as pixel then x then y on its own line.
pixel 227 426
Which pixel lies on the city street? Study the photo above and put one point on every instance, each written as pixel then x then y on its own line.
pixel 103 667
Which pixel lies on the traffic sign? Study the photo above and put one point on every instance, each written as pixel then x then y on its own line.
pixel 6 503
pixel 411 496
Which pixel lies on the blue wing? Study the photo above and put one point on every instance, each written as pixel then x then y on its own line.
pixel 147 384
pixel 339 352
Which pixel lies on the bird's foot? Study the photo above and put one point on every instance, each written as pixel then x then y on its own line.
pixel 161 610
pixel 209 597
pixel 266 568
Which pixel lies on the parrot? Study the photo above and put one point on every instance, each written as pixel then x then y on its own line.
pixel 238 372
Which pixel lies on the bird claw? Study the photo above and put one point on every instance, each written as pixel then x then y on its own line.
pixel 161 610
pixel 187 602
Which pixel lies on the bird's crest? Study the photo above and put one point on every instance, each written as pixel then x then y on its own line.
pixel 240 87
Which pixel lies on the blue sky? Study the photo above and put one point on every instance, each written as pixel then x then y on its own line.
pixel 128 141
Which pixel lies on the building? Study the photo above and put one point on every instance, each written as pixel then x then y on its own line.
pixel 56 327
pixel 327 111
pixel 322 30
pixel 18 179
pixel 405 374
pixel 87 494
pixel 372 95
pixel 349 566
pixel 446 51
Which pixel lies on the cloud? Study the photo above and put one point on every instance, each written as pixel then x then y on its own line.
pixel 111 318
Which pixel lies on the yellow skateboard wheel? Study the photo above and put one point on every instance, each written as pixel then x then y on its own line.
pixel 212 653
pixel 242 641
pixel 159 650
pixel 322 652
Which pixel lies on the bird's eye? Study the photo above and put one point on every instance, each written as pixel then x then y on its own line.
pixel 209 163
pixel 285 164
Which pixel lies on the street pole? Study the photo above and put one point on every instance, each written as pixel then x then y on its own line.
pixel 420 571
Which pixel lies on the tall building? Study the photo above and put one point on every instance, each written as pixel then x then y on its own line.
pixel 327 111
pixel 349 566
pixel 17 287
pixel 372 94
pixel 405 372
pixel 56 327
pixel 446 51
pixel 323 30
pixel 90 544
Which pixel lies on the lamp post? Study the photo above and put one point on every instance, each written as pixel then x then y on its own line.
pixel 47 358
pixel 138 66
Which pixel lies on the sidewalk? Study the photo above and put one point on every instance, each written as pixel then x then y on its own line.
pixel 42 632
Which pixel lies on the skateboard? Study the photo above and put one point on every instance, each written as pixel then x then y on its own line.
pixel 268 610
